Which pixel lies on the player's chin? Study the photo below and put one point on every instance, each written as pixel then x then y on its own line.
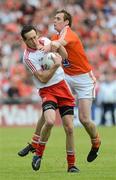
pixel 34 46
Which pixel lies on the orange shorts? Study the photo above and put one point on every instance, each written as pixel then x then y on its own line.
pixel 59 93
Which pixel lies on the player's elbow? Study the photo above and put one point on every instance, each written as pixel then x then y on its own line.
pixel 44 80
pixel 40 76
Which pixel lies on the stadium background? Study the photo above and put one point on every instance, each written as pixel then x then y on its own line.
pixel 94 22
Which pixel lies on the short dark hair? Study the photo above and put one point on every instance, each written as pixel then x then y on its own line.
pixel 26 29
pixel 67 16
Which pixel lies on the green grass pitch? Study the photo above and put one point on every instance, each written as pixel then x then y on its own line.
pixel 54 167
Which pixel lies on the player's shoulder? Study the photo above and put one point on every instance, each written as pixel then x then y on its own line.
pixel 29 55
pixel 71 32
pixel 67 32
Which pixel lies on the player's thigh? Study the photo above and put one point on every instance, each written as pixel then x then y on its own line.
pixel 49 111
pixel 83 85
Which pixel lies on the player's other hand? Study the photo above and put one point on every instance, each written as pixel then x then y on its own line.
pixel 55 45
pixel 57 59
pixel 45 48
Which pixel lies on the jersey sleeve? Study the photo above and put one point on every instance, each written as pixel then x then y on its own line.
pixel 32 64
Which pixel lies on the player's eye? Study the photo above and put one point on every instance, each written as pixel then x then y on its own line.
pixel 58 18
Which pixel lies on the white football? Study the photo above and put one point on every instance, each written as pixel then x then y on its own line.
pixel 48 60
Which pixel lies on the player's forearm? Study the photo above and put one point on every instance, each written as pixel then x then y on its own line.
pixel 62 51
pixel 46 75
pixel 56 46
pixel 49 73
pixel 62 41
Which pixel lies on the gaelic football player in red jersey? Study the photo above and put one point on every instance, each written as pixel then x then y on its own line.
pixel 53 90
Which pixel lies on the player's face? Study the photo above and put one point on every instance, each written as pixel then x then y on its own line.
pixel 59 22
pixel 31 39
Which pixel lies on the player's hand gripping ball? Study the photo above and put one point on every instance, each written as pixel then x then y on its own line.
pixel 48 60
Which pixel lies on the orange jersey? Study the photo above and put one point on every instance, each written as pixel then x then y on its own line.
pixel 77 62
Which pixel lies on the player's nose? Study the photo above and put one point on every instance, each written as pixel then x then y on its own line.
pixel 34 41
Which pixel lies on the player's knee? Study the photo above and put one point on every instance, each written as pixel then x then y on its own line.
pixel 50 123
pixel 84 119
pixel 85 122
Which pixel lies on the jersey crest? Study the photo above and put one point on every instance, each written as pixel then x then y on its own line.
pixel 66 63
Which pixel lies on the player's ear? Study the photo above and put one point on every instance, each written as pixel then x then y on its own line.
pixel 67 22
pixel 38 34
pixel 21 40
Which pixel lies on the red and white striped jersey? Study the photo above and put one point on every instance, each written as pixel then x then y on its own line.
pixel 33 60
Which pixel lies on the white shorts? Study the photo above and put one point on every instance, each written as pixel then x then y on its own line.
pixel 83 86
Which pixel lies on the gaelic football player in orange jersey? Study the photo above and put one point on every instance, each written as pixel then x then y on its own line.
pixel 79 75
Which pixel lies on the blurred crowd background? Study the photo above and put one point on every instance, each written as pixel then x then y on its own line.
pixel 94 22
